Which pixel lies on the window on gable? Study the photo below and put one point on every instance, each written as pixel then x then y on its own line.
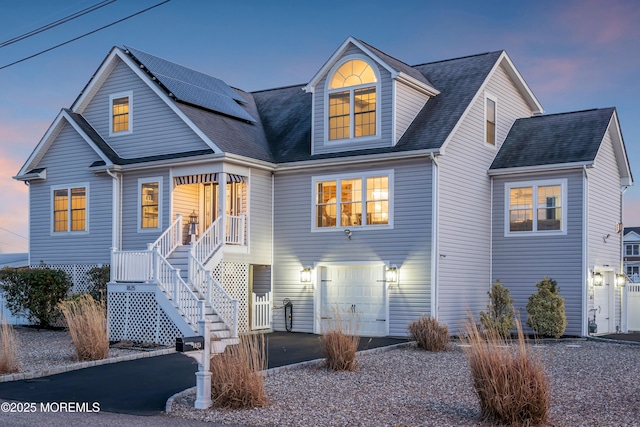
pixel 352 101
pixel 490 120
pixel 352 201
pixel 632 249
pixel 70 209
pixel 120 113
pixel 536 207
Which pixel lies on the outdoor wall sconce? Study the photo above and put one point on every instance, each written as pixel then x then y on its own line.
pixel 193 218
pixel 597 279
pixel 621 279
pixel 305 275
pixel 392 274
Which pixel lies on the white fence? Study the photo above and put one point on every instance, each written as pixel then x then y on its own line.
pixel 260 311
pixel 632 297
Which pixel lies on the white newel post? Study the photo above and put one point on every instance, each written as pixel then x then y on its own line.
pixel 222 206
pixel 203 376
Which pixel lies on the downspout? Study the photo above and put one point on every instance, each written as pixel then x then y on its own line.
pixel 273 197
pixel 435 256
pixel 623 291
pixel 28 184
pixel 585 252
pixel 491 230
pixel 116 213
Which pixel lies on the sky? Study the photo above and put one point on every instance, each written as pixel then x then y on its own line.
pixel 574 55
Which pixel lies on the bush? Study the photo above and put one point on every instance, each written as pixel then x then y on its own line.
pixel 546 310
pixel 429 334
pixel 236 380
pixel 339 346
pixel 98 279
pixel 35 292
pixel 510 383
pixel 499 318
pixel 87 322
pixel 8 349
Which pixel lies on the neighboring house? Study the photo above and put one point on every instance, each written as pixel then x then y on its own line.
pixel 377 188
pixel 631 253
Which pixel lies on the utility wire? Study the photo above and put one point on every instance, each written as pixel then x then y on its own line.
pixel 84 35
pixel 56 23
pixel 15 234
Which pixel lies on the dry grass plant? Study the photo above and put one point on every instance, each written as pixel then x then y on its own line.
pixel 340 342
pixel 8 349
pixel 236 378
pixel 429 334
pixel 87 322
pixel 510 382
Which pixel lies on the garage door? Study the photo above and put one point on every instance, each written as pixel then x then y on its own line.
pixel 354 292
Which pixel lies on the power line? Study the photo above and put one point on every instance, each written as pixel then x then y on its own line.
pixel 15 234
pixel 84 35
pixel 56 23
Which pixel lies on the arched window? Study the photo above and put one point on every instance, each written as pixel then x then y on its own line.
pixel 352 101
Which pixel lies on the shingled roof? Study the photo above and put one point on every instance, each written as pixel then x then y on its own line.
pixel 554 139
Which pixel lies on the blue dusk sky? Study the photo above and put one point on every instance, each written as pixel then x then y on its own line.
pixel 575 55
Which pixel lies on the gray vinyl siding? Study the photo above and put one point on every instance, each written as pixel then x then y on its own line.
pixel 66 161
pixel 132 239
pixel 408 244
pixel 604 201
pixel 464 196
pixel 521 262
pixel 385 115
pixel 408 104
pixel 156 128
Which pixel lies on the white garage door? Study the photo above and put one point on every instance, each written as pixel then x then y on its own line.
pixel 354 292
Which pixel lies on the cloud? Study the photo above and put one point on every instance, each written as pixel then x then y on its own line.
pixel 13 206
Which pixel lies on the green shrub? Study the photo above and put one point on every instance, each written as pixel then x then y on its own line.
pixel 429 334
pixel 546 310
pixel 35 292
pixel 499 317
pixel 98 279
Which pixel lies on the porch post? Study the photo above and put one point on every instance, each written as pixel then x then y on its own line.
pixel 222 206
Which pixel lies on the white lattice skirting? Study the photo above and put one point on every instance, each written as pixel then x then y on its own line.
pixel 77 272
pixel 136 315
pixel 235 280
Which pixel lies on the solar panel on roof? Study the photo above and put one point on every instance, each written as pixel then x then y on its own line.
pixel 194 87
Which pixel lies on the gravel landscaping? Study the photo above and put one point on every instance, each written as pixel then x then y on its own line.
pixel 593 383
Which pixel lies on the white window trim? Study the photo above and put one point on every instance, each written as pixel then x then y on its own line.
pixel 127 94
pixel 53 188
pixel 494 98
pixel 339 177
pixel 626 245
pixel 141 181
pixel 327 91
pixel 535 184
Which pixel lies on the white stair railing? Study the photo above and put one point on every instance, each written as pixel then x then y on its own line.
pixel 170 239
pixel 235 230
pixel 222 303
pixel 132 266
pixel 208 243
pixel 184 299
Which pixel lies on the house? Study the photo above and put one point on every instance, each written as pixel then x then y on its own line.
pixel 377 188
pixel 631 253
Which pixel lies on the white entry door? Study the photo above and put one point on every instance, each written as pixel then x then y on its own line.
pixel 354 293
pixel 602 303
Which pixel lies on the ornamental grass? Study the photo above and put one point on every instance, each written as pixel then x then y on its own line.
pixel 340 342
pixel 8 349
pixel 509 381
pixel 429 334
pixel 87 322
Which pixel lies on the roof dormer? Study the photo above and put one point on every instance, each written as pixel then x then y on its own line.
pixel 363 99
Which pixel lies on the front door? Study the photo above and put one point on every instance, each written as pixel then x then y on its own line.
pixel 354 296
pixel 602 303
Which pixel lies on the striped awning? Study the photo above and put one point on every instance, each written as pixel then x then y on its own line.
pixel 206 177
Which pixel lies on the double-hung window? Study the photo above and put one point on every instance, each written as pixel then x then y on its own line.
pixel 70 209
pixel 150 204
pixel 361 200
pixel 536 207
pixel 120 113
pixel 632 249
pixel 352 103
pixel 490 118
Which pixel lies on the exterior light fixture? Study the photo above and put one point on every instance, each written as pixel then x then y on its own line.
pixel 193 226
pixel 621 279
pixel 597 279
pixel 392 274
pixel 193 218
pixel 305 275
